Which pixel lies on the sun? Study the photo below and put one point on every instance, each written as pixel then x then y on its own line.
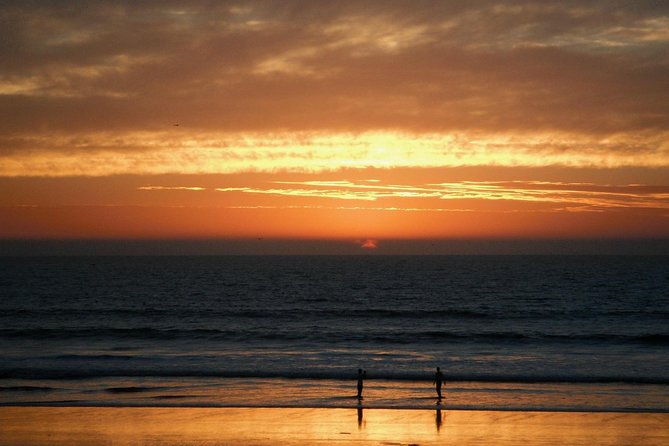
pixel 369 244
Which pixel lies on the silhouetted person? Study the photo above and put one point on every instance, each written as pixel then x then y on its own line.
pixel 438 381
pixel 361 377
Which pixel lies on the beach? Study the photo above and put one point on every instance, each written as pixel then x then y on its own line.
pixel 324 426
pixel 351 222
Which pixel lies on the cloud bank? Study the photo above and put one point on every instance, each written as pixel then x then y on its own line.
pixel 155 87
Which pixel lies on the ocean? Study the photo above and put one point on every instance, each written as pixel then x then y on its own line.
pixel 570 333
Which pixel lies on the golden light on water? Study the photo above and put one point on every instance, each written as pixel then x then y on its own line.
pixel 93 426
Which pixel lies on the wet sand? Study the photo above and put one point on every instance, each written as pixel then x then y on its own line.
pixel 271 426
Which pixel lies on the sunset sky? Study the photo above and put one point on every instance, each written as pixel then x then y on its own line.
pixel 360 122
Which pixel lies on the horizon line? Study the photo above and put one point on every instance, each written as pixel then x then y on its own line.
pixel 363 246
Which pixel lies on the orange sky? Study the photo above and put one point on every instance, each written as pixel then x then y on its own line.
pixel 351 121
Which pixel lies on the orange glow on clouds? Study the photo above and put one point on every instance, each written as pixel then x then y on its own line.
pixel 276 206
pixel 160 153
pixel 568 196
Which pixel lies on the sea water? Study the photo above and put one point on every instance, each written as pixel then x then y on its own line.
pixel 509 332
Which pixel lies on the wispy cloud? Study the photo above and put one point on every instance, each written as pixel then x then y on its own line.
pixel 572 197
pixel 590 196
pixel 341 194
pixel 189 188
pixel 140 153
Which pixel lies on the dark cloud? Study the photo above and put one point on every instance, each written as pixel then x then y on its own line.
pixel 584 67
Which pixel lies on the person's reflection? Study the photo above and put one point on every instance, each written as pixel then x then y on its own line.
pixel 438 416
pixel 359 416
pixel 361 378
pixel 438 381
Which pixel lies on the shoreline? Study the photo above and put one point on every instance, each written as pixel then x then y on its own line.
pixel 443 407
pixel 320 426
pixel 271 393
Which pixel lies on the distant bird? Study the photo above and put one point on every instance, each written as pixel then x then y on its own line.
pixel 175 125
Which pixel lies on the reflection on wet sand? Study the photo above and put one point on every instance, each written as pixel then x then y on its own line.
pixel 78 426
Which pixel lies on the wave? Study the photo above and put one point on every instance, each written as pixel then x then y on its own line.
pixel 274 313
pixel 91 357
pixel 329 335
pixel 135 372
pixel 362 312
pixel 119 333
pixel 134 389
pixel 26 389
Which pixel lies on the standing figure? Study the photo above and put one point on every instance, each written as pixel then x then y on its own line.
pixel 361 376
pixel 438 381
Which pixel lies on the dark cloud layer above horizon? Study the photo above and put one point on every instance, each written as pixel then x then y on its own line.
pixel 171 247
